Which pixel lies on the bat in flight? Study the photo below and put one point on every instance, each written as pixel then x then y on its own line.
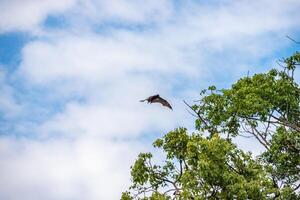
pixel 157 99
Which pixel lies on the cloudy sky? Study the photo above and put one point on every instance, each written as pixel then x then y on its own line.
pixel 72 73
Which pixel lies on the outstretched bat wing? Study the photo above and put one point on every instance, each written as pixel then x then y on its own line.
pixel 162 101
pixel 150 99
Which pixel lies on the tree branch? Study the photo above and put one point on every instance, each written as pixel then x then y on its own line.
pixel 252 132
pixel 293 39
pixel 181 171
pixel 211 130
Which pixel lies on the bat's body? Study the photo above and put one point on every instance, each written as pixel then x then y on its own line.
pixel 157 99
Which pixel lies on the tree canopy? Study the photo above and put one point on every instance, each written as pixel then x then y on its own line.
pixel 207 164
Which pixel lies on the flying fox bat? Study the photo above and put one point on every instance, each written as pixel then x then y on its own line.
pixel 157 99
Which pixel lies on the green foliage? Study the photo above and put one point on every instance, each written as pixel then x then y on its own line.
pixel 174 143
pixel 266 106
pixel 258 98
pixel 126 196
pixel 283 155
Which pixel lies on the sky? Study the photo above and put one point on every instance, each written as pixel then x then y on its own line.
pixel 72 73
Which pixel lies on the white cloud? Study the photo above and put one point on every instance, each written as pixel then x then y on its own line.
pixel 8 105
pixel 26 15
pixel 185 45
pixel 85 168
pixel 29 15
pixel 99 58
pixel 124 11
pixel 236 24
pixel 125 120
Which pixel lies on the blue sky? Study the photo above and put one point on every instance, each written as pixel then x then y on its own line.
pixel 72 73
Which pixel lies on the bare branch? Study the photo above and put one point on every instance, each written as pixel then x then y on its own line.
pixel 297 187
pixel 192 113
pixel 292 39
pixel 261 136
pixel 257 137
pixel 170 190
pixel 279 63
pixel 210 129
pixel 181 171
pixel 285 122
pixel 199 116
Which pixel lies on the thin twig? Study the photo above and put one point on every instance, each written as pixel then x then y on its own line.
pixel 293 39
pixel 210 129
pixel 181 171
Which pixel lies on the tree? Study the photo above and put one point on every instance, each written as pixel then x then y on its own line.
pixel 208 165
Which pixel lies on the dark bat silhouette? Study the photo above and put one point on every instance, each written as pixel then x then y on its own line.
pixel 157 99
